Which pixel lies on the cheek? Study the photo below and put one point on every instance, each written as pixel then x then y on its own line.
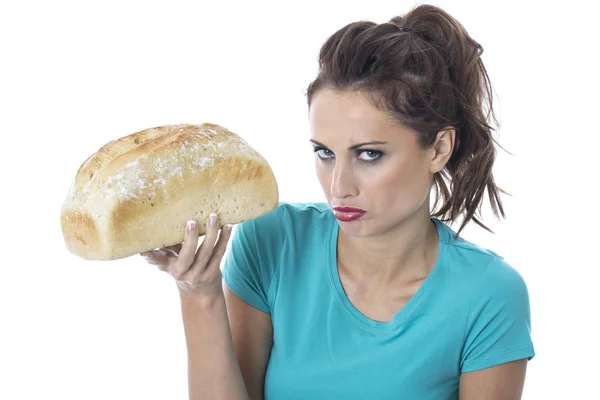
pixel 323 174
pixel 406 181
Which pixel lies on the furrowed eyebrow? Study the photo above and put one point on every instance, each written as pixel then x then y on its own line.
pixel 353 147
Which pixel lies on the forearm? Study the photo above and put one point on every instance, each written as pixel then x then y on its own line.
pixel 213 370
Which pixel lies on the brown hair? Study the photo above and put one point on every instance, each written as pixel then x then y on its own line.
pixel 426 71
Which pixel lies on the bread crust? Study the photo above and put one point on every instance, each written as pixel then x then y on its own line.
pixel 136 193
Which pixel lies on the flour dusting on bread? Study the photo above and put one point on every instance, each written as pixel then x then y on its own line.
pixel 136 193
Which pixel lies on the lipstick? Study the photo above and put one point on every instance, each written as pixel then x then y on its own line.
pixel 348 214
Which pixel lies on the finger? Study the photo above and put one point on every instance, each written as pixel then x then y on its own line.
pixel 220 248
pixel 216 254
pixel 156 257
pixel 175 249
pixel 206 248
pixel 188 250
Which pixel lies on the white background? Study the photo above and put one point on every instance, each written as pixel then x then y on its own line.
pixel 75 75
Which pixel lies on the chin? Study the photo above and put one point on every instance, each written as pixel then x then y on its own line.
pixel 356 229
pixel 370 227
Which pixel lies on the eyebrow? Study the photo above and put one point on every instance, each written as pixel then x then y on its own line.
pixel 353 147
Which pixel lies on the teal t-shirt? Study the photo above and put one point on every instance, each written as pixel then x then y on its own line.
pixel 470 313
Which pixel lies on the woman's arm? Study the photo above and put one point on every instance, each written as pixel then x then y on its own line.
pixel 213 370
pixel 500 382
pixel 229 343
pixel 252 332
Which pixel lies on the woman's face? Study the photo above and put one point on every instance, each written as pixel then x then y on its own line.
pixel 365 160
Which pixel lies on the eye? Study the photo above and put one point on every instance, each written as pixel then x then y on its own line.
pixel 369 155
pixel 323 154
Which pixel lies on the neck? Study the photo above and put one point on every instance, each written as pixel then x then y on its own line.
pixel 407 252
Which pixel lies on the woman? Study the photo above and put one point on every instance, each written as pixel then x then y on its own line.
pixel 372 295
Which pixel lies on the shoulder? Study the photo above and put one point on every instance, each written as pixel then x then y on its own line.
pixel 289 216
pixel 486 271
pixel 496 300
pixel 259 247
pixel 288 220
pixel 301 211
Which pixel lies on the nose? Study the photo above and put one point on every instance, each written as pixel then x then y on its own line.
pixel 342 182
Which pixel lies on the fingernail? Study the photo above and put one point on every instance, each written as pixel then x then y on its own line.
pixel 212 219
pixel 191 225
pixel 228 227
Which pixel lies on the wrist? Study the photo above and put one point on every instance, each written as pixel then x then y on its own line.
pixel 201 299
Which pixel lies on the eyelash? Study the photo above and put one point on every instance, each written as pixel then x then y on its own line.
pixel 377 153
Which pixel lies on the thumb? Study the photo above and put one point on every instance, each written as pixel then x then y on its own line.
pixel 158 257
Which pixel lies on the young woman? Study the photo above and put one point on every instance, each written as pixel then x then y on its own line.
pixel 371 295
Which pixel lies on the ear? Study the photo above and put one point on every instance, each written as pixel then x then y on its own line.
pixel 441 151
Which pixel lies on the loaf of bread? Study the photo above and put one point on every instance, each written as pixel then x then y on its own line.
pixel 136 193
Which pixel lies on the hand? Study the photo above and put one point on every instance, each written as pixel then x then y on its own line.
pixel 198 271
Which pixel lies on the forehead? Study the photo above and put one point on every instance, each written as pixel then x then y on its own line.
pixel 350 117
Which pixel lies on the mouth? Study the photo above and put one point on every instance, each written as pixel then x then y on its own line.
pixel 347 214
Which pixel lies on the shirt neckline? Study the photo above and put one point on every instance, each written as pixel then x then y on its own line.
pixel 405 313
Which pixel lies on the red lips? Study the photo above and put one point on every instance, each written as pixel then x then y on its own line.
pixel 349 210
pixel 347 214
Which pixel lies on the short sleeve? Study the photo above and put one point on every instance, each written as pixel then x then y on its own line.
pixel 253 258
pixel 499 327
